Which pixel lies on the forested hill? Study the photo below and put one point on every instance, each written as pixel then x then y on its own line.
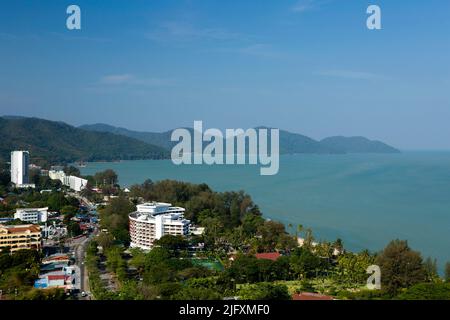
pixel 58 142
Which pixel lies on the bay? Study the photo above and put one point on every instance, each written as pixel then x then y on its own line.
pixel 364 199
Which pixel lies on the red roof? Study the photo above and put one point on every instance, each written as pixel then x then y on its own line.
pixel 310 296
pixel 56 277
pixel 269 255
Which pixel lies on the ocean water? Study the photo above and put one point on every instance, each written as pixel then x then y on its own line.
pixel 364 199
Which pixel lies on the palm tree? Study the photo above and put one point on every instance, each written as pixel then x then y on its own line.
pixel 309 238
pixel 299 230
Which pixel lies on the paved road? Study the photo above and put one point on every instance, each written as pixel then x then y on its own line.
pixel 80 254
pixel 80 251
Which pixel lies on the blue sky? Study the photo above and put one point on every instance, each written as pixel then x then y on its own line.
pixel 308 66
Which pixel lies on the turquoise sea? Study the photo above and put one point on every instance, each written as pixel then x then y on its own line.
pixel 365 199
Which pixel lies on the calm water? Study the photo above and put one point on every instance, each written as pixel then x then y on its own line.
pixel 366 200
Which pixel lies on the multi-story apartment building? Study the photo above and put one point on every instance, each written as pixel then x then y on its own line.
pixel 32 215
pixel 19 237
pixel 73 182
pixel 153 220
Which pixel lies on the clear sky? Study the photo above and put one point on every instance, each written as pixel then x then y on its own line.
pixel 308 66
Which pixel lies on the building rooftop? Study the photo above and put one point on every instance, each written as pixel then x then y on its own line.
pixel 148 211
pixel 157 208
pixel 269 256
pixel 31 209
pixel 20 228
pixel 56 257
pixel 56 277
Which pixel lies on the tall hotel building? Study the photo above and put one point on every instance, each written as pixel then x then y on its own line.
pixel 153 220
pixel 19 167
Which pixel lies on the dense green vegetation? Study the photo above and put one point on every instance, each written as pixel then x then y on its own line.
pixel 57 142
pixel 115 218
pixel 426 291
pixel 54 200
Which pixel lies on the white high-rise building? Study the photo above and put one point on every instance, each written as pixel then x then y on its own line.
pixel 153 220
pixel 19 167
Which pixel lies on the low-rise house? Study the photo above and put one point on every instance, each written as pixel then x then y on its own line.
pixel 56 258
pixel 55 280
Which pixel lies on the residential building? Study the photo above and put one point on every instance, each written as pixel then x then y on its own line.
pixel 153 220
pixel 65 279
pixel 73 182
pixel 32 215
pixel 56 175
pixel 19 169
pixel 76 183
pixel 19 237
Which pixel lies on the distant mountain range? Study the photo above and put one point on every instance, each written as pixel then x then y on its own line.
pixel 58 142
pixel 290 143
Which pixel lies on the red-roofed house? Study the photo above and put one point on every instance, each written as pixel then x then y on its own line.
pixel 310 296
pixel 269 256
pixel 56 280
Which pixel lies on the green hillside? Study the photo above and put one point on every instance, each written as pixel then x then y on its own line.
pixel 55 142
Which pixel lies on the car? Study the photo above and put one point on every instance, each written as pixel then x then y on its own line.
pixel 83 294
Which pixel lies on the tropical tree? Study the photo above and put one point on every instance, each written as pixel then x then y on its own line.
pixel 265 291
pixel 430 266
pixel 447 272
pixel 401 267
